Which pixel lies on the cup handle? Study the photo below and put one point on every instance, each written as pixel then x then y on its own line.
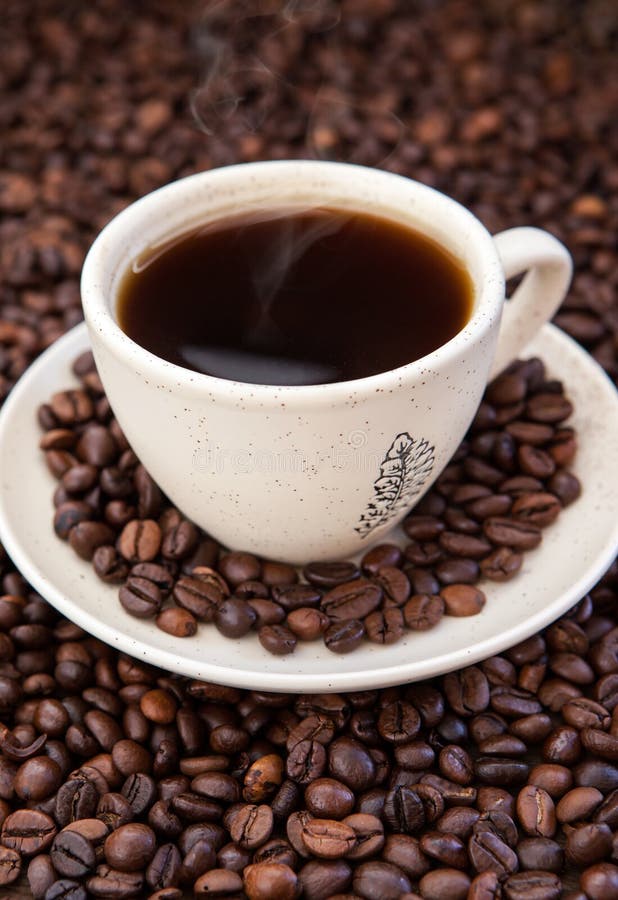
pixel 549 267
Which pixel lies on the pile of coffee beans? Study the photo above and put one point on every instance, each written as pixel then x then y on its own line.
pixel 119 780
pixel 508 106
pixel 508 480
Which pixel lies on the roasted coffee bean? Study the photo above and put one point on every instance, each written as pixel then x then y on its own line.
pixel 404 811
pixel 10 865
pixel 350 762
pixel 423 611
pixel 379 878
pixel 307 623
pixel 164 868
pixel 600 881
pixel 252 826
pixel 234 617
pixel 488 852
pixel 327 798
pixel 66 889
pixel 237 567
pixel 69 514
pixel 41 875
pixel 277 639
pixel 533 886
pixel 180 540
pixel 76 799
pixel 607 812
pixel 351 600
pixel 86 537
pixel 424 554
pixel 140 597
pixel 490 799
pixel 383 555
pixel 343 637
pixel 500 771
pixel 441 883
pixel 555 779
pixel 467 691
pixel 384 627
pixel 536 812
pixel 328 838
pixel 369 832
pixel 306 761
pixel 565 486
pixel 514 702
pixel 108 881
pixel 319 878
pixel 501 565
pixel 458 820
pixel 264 880
pixel 37 778
pixel 462 600
pixel 141 792
pixel 114 810
pixel 587 844
pixel 330 574
pixel 28 831
pixel 532 728
pixel 399 722
pixel 130 847
pixel 540 854
pixel 516 534
pixel 446 848
pixel 263 778
pixel 295 596
pixel 200 598
pixel 176 621
pixel 277 850
pixel 487 726
pixel 548 408
pixel 158 574
pixel 109 565
pixel 485 886
pixel 456 764
pixel 72 855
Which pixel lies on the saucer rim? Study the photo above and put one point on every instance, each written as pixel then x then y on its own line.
pixel 74 342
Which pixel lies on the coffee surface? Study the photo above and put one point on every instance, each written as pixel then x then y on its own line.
pixel 311 297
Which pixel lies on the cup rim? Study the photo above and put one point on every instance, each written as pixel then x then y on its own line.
pixel 99 317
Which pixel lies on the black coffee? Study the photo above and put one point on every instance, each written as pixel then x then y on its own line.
pixel 294 298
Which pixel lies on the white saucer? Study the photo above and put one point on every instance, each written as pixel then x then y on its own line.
pixel 574 553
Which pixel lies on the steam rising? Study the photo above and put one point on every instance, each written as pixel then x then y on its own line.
pixel 243 87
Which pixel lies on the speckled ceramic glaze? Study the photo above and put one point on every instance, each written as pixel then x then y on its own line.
pixel 313 472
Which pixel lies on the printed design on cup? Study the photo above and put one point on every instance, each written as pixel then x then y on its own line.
pixel 403 472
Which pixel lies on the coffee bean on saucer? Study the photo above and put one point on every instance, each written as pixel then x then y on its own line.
pixel 140 540
pixel 343 637
pixel 109 565
pixel 140 597
pixel 462 600
pixel 234 617
pixel 330 574
pixel 277 639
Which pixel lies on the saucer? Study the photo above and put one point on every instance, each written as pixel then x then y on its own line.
pixel 573 555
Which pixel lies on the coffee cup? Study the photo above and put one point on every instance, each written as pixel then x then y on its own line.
pixel 320 471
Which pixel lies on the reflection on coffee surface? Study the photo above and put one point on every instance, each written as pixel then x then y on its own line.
pixel 295 297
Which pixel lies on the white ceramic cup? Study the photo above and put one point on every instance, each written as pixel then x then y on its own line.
pixel 320 471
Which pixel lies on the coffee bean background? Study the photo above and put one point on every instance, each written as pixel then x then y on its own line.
pixel 509 107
